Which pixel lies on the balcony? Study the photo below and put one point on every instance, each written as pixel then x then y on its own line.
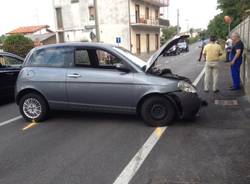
pixel 164 22
pixel 160 3
pixel 151 22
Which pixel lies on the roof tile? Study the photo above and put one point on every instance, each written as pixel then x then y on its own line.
pixel 28 29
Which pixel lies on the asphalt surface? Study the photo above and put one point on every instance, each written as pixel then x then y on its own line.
pixel 90 148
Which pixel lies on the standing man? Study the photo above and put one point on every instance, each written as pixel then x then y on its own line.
pixel 203 43
pixel 228 47
pixel 212 52
pixel 236 60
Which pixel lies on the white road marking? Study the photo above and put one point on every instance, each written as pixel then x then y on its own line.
pixel 136 162
pixel 197 80
pixel 10 121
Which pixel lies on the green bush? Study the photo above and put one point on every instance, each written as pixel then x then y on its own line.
pixel 193 39
pixel 2 38
pixel 18 44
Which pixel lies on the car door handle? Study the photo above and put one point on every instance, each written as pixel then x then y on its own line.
pixel 74 75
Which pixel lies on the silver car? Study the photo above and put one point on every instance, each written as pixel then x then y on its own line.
pixel 104 78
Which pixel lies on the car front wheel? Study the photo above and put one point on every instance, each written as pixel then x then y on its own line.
pixel 33 107
pixel 157 111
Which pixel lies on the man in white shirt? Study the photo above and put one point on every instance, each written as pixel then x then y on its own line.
pixel 228 47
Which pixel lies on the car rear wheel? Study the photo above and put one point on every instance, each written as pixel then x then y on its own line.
pixel 33 107
pixel 157 111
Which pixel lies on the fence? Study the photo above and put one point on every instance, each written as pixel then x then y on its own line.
pixel 244 30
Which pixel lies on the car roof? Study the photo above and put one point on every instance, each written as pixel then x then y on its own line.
pixel 11 55
pixel 77 44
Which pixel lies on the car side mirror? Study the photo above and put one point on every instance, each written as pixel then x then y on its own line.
pixel 122 67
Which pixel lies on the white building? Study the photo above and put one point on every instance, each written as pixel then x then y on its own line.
pixel 133 24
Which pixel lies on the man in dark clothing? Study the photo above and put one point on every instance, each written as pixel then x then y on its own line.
pixel 203 43
pixel 236 60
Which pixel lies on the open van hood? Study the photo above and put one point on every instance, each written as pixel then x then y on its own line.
pixel 170 43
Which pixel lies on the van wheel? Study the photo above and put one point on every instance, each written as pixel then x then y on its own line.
pixel 157 111
pixel 33 107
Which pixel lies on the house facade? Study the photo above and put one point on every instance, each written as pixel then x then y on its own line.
pixel 39 34
pixel 132 24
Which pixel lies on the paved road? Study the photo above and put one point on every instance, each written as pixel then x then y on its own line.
pixel 88 148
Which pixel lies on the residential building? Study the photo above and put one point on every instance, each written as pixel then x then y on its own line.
pixel 41 34
pixel 132 24
pixel 75 20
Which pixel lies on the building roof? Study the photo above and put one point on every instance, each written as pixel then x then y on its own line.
pixel 41 37
pixel 28 29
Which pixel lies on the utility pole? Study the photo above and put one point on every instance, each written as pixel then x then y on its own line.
pixel 97 29
pixel 178 22
pixel 187 26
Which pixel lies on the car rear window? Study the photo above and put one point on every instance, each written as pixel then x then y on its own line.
pixel 82 58
pixel 51 57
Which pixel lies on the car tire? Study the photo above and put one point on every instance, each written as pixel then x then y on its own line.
pixel 33 107
pixel 157 111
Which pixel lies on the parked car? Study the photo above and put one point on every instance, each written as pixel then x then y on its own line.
pixel 173 51
pixel 104 78
pixel 10 66
pixel 183 45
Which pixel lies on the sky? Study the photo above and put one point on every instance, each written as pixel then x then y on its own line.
pixel 193 13
pixel 16 13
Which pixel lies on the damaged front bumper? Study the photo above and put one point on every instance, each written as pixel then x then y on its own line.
pixel 186 104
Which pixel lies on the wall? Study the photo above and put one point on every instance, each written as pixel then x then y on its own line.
pixel 113 18
pixel 244 30
pixel 51 40
pixel 143 6
pixel 75 18
pixel 143 32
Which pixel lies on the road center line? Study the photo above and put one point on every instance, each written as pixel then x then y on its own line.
pixel 30 125
pixel 133 166
pixel 10 121
pixel 136 162
pixel 197 80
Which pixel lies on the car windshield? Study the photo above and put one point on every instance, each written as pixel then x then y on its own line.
pixel 137 61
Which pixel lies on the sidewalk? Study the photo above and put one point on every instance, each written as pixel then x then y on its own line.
pixel 228 109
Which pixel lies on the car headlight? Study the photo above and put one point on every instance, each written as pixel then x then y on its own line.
pixel 186 87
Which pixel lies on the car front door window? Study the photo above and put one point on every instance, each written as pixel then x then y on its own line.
pixel 10 62
pixel 10 68
pixel 107 60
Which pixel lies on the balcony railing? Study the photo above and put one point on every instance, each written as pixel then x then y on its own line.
pixel 147 22
pixel 161 3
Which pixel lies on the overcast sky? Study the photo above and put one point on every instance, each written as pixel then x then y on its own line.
pixel 15 13
pixel 193 13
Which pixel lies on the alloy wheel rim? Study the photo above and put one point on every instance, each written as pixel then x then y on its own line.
pixel 32 108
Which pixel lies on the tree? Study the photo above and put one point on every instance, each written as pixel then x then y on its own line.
pixel 18 44
pixel 233 8
pixel 191 31
pixel 204 34
pixel 218 27
pixel 2 38
pixel 169 32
